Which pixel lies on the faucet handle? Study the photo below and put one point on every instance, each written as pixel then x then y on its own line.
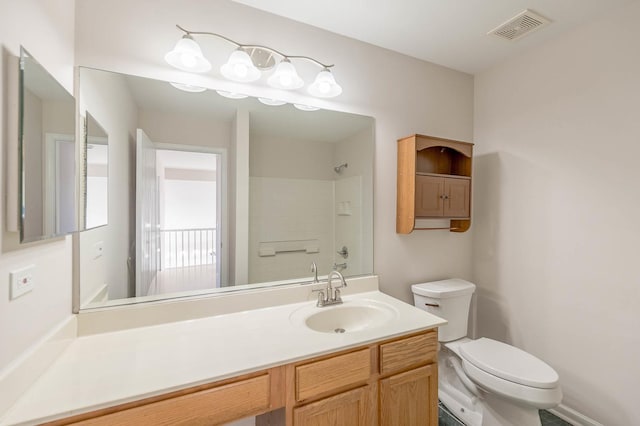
pixel 336 295
pixel 321 297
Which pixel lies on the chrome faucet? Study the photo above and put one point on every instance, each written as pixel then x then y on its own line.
pixel 314 269
pixel 331 295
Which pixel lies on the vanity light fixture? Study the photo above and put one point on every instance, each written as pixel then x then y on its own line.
pixel 271 102
pixel 187 56
pixel 324 86
pixel 231 95
pixel 240 68
pixel 188 87
pixel 285 76
pixel 247 63
pixel 305 107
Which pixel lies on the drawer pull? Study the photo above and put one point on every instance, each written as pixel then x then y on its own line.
pixel 433 305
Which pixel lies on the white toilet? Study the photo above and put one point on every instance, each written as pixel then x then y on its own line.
pixel 484 382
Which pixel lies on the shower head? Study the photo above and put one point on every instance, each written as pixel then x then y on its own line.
pixel 340 168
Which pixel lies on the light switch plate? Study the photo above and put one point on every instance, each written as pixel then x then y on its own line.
pixel 22 281
pixel 98 249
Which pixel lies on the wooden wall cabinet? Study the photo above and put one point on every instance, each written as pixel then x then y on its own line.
pixel 393 382
pixel 434 182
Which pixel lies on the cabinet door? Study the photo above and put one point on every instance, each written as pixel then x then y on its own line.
pixel 457 193
pixel 429 196
pixel 350 408
pixel 410 398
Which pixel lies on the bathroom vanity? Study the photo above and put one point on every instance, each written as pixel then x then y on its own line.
pixel 400 373
pixel 281 363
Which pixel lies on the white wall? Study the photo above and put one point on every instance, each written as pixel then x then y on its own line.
pixel 239 225
pixel 291 198
pixel 304 159
pixel 46 29
pixel 107 98
pixel 404 95
pixel 185 129
pixel 356 179
pixel 555 248
pixel 289 210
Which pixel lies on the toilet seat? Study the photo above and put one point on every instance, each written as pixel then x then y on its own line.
pixel 541 398
pixel 508 363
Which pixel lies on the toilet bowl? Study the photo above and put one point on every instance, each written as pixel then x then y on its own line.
pixel 484 382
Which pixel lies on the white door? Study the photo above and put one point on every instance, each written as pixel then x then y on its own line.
pixel 147 218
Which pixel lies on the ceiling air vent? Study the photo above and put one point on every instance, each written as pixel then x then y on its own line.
pixel 520 25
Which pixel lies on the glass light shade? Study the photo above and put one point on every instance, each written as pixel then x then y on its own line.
pixel 187 56
pixel 324 86
pixel 188 87
pixel 240 68
pixel 305 107
pixel 285 77
pixel 271 102
pixel 231 95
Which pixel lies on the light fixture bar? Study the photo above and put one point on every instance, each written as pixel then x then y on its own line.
pixel 254 46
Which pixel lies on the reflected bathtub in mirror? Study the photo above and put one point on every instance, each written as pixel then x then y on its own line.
pixel 212 194
pixel 47 171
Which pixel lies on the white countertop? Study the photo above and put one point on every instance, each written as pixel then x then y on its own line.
pixel 107 369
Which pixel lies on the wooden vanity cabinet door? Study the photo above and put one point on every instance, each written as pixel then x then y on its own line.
pixel 351 408
pixel 429 196
pixel 410 398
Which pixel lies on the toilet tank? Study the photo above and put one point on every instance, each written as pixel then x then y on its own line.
pixel 448 299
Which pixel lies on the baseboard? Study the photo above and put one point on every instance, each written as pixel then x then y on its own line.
pixel 17 377
pixel 572 416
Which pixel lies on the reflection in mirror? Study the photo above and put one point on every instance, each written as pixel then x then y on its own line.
pixel 47 154
pixel 210 194
pixel 96 174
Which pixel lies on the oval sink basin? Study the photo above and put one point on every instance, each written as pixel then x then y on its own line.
pixel 351 316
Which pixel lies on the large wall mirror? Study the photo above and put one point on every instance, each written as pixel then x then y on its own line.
pixel 47 170
pixel 207 193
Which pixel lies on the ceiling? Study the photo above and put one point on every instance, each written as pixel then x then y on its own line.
pixel 446 32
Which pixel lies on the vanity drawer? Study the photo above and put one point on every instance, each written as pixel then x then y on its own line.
pixel 208 407
pixel 333 373
pixel 408 353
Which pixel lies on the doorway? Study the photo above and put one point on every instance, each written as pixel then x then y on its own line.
pixel 181 221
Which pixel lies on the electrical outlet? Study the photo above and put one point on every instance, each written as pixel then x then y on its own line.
pixel 22 281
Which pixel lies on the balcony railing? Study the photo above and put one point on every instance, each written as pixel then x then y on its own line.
pixel 181 248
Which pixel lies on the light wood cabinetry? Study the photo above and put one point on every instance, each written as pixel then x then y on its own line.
pixel 410 398
pixel 351 408
pixel 434 181
pixel 321 377
pixel 209 404
pixel 403 354
pixel 392 382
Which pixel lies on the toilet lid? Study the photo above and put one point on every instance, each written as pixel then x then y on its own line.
pixel 509 363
